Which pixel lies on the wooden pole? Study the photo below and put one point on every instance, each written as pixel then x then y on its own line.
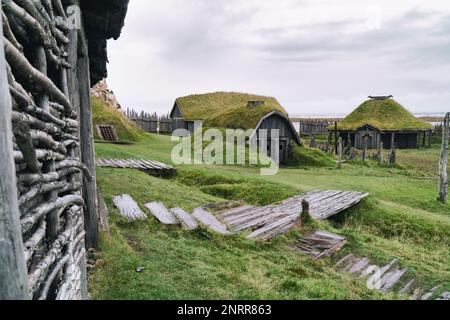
pixel 87 152
pixel 13 271
pixel 443 163
pixel 365 151
pixel 381 153
pixel 340 151
pixel 336 137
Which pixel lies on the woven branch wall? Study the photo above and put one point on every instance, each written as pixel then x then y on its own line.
pixel 46 146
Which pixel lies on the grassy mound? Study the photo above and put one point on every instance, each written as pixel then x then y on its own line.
pixel 384 115
pixel 104 114
pixel 230 187
pixel 301 156
pixel 202 106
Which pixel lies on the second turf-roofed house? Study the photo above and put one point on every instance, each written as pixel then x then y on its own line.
pixel 233 110
pixel 382 119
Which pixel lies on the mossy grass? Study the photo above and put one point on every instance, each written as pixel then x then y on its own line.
pixel 227 109
pixel 104 114
pixel 384 115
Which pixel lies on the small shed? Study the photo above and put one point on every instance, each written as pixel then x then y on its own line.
pixel 233 110
pixel 382 119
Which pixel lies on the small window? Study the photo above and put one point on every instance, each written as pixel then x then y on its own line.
pixel 107 132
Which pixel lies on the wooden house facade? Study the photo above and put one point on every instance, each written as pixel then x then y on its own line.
pixel 236 111
pixel 382 119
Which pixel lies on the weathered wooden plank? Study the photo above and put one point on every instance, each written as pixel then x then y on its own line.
pixel 431 293
pixel 323 205
pixel 320 244
pixel 87 150
pixel 129 208
pixel 235 211
pixel 160 212
pixel 186 219
pixel 407 287
pixel 344 261
pixel 210 221
pixel 13 271
pixel 149 166
pixel 270 229
pixel 389 282
pixel 360 265
pixel 443 161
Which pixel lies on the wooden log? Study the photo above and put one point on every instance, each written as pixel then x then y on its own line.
pixel 31 219
pixel 13 272
pixel 443 162
pixel 18 60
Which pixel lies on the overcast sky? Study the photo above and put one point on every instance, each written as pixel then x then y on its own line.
pixel 314 56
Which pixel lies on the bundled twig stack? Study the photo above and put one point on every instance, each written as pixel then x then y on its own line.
pixel 46 145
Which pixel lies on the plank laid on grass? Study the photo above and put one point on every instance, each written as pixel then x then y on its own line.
pixel 389 281
pixel 279 218
pixel 320 244
pixel 128 208
pixel 149 166
pixel 235 211
pixel 186 219
pixel 160 212
pixel 208 219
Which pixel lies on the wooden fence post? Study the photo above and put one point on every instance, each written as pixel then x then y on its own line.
pixel 91 218
pixel 443 163
pixel 365 151
pixel 381 152
pixel 340 151
pixel 336 137
pixel 13 271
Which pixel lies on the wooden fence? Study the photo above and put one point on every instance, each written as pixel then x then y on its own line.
pixel 313 126
pixel 151 122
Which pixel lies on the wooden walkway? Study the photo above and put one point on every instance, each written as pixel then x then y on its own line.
pixel 270 221
pixel 389 278
pixel 262 223
pixel 152 167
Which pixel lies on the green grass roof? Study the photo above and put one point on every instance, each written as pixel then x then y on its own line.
pixel 384 115
pixel 104 114
pixel 227 109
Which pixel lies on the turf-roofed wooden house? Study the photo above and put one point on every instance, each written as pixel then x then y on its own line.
pixel 382 119
pixel 233 110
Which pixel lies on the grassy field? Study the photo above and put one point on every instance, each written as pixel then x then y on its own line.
pixel 400 219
